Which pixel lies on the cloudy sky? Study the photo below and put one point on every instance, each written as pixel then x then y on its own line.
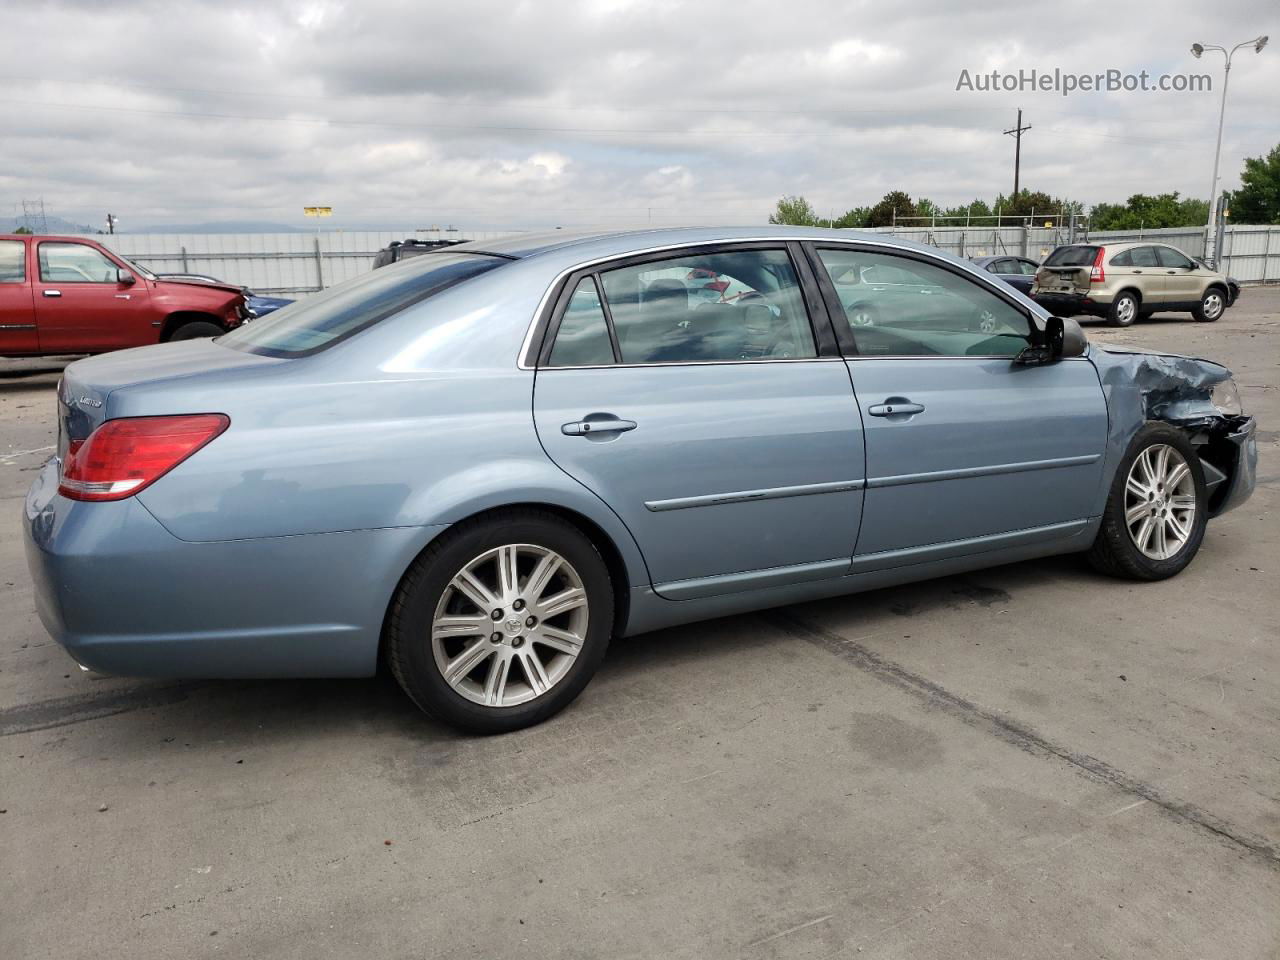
pixel 594 112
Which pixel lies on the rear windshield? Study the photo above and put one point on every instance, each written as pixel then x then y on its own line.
pixel 323 319
pixel 1072 257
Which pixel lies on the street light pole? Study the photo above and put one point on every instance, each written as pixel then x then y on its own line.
pixel 1197 50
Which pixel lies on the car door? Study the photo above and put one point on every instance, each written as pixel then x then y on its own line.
pixel 1145 275
pixel 965 449
pixel 1182 282
pixel 722 432
pixel 17 313
pixel 81 306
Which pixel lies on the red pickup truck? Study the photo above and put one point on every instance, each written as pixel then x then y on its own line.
pixel 62 295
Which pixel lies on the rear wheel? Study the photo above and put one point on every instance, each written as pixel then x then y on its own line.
pixel 197 329
pixel 502 623
pixel 1211 305
pixel 1155 516
pixel 1124 309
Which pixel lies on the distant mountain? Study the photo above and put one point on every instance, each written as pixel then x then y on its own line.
pixel 53 225
pixel 222 226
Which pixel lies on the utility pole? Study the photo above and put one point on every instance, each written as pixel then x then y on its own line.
pixel 1017 133
pixel 111 223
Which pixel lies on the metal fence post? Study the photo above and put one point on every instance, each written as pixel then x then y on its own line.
pixel 319 265
pixel 1266 253
pixel 185 268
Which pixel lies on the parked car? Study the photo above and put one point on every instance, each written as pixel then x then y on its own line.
pixel 1127 281
pixel 1018 272
pixel 61 295
pixel 258 305
pixel 372 473
pixel 398 250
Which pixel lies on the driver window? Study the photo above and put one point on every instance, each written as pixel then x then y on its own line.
pixel 729 306
pixel 74 263
pixel 1170 257
pixel 902 307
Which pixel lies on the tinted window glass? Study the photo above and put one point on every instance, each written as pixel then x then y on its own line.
pixel 1144 257
pixel 324 319
pixel 13 261
pixel 1123 259
pixel 74 263
pixel 738 305
pixel 1026 268
pixel 1001 266
pixel 1071 257
pixel 930 311
pixel 583 337
pixel 1170 257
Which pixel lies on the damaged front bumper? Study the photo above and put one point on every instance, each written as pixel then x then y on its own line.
pixel 1228 451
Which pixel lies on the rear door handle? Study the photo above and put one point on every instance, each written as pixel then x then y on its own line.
pixel 53 293
pixel 583 428
pixel 895 406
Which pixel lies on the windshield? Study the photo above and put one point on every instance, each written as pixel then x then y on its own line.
pixel 138 268
pixel 1072 257
pixel 326 318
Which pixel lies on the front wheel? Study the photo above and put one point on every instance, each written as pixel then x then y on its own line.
pixel 1156 512
pixel 196 330
pixel 501 623
pixel 1211 306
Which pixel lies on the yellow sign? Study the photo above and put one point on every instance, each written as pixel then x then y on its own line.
pixel 318 211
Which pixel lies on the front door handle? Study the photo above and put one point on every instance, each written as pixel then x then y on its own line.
pixel 600 426
pixel 53 293
pixel 894 407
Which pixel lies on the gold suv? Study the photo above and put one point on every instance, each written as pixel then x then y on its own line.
pixel 1125 281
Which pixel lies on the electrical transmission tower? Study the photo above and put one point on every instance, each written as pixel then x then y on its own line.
pixel 33 217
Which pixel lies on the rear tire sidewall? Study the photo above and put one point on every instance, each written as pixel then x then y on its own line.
pixel 1113 314
pixel 410 627
pixel 1133 560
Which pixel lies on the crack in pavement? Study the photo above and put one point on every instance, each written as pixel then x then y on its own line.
pixel 1023 737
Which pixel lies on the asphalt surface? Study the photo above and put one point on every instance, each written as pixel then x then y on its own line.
pixel 1029 761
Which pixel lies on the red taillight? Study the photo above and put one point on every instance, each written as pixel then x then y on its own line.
pixel 122 457
pixel 1097 274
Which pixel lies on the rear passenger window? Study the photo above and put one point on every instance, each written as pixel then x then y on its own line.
pixel 1144 257
pixel 583 337
pixel 728 306
pixel 13 261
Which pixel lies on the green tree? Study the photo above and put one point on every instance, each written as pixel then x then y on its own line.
pixel 853 219
pixel 1142 211
pixel 796 212
pixel 894 205
pixel 1258 199
pixel 26 230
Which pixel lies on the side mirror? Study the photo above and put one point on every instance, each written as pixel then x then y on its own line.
pixel 125 277
pixel 1062 337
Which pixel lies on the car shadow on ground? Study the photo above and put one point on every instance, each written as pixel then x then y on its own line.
pixel 225 715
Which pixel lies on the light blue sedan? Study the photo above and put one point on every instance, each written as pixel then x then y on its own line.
pixel 480 466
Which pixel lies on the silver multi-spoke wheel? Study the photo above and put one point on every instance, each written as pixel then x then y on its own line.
pixel 987 321
pixel 1213 305
pixel 1126 310
pixel 509 625
pixel 1160 502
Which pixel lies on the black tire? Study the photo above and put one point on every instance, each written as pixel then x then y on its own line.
pixel 1209 311
pixel 1120 315
pixel 195 330
pixel 408 632
pixel 1114 551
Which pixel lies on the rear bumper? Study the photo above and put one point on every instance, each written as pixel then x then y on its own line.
pixel 122 595
pixel 1070 304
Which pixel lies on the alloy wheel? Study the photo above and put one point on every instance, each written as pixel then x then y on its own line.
pixel 509 625
pixel 1212 306
pixel 1125 310
pixel 1160 502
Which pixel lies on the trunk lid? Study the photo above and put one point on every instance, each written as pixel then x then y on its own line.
pixel 84 394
